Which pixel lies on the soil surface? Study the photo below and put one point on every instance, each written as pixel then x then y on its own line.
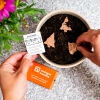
pixel 60 54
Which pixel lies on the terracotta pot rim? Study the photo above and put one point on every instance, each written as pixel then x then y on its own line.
pixel 63 11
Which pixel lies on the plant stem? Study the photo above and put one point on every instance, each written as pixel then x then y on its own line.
pixel 17 2
pixel 20 16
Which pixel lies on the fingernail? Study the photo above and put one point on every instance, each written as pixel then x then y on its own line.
pixel 28 56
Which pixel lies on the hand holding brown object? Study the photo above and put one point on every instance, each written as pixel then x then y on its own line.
pixel 93 37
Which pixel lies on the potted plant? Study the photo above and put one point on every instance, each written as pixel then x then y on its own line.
pixel 52 27
pixel 12 16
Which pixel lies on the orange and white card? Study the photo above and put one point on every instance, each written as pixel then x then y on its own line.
pixel 42 75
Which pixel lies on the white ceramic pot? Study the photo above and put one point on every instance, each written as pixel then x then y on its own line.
pixel 63 11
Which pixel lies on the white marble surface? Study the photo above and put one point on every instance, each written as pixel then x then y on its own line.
pixel 78 83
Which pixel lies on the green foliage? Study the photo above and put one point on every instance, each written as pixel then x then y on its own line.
pixel 9 27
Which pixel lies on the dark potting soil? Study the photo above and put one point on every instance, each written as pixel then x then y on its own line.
pixel 60 54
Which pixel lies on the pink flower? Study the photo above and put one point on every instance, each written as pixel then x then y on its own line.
pixel 6 6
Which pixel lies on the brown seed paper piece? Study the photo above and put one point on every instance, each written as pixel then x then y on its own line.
pixel 65 21
pixel 72 47
pixel 50 41
pixel 64 26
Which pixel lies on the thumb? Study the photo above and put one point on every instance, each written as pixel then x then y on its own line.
pixel 85 51
pixel 25 64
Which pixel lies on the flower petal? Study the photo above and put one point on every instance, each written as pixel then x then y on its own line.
pixel 10 2
pixel 1 16
pixel 10 5
pixel 5 13
pixel 10 8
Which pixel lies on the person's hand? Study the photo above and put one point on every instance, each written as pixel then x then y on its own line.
pixel 13 76
pixel 93 37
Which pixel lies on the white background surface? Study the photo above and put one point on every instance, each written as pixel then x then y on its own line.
pixel 78 83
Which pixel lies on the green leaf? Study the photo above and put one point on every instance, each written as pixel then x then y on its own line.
pixel 5 19
pixel 9 26
pixel 16 38
pixel 28 8
pixel 2 31
pixel 42 11
pixel 22 33
pixel 1 27
pixel 22 15
pixel 22 4
pixel 31 5
pixel 16 27
pixel 20 10
pixel 9 19
pixel 14 17
pixel 13 37
pixel 1 43
pixel 6 30
pixel 7 45
pixel 31 11
pixel 35 18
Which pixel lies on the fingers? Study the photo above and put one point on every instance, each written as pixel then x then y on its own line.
pixel 17 64
pixel 96 43
pixel 12 60
pixel 86 52
pixel 34 57
pixel 87 36
pixel 93 31
pixel 25 63
pixel 93 37
pixel 99 31
pixel 84 38
pixel 23 98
